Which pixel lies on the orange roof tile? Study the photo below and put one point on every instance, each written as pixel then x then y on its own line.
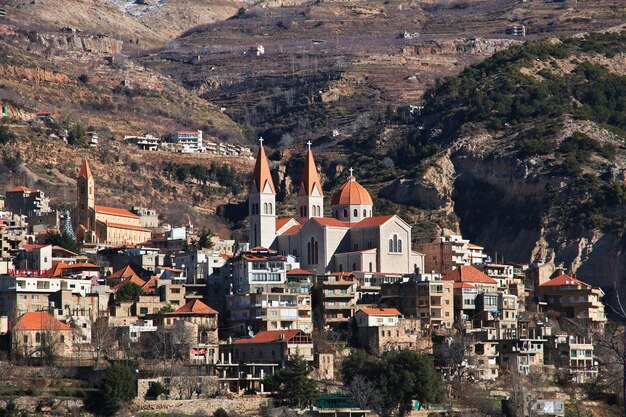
pixel 269 336
pixel 329 221
pixel 196 306
pixel 85 172
pixel 381 311
pixel 299 271
pixel 21 189
pixel 262 175
pixel 31 248
pixel 281 222
pixel 292 230
pixel 133 279
pixel 374 221
pixel 113 211
pixel 463 285
pixel 150 286
pixel 57 269
pixel 564 280
pixel 351 193
pixel 467 273
pixel 309 178
pixel 127 226
pixel 126 271
pixel 81 265
pixel 40 320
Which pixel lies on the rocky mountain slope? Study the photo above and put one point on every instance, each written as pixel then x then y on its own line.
pixel 533 155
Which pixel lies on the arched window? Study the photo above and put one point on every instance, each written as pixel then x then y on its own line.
pixel 371 267
pixel 308 253
pixel 264 208
pixel 364 213
pixel 38 337
pixel 301 212
pixel 356 213
pixel 399 245
pixel 353 266
pixel 336 214
pixel 345 213
pixel 340 268
pixel 271 209
pixel 395 243
pixel 391 245
pixel 317 259
pixel 319 211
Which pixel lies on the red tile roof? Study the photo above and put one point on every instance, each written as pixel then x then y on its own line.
pixel 564 280
pixel 463 285
pixel 85 172
pixel 309 179
pixel 113 211
pixel 31 248
pixel 467 273
pixel 124 272
pixel 150 286
pixel 381 311
pixel 196 306
pixel 134 279
pixel 261 175
pixel 351 193
pixel 374 221
pixel 292 230
pixel 269 336
pixel 21 189
pixel 329 221
pixel 299 271
pixel 281 222
pixel 81 265
pixel 40 320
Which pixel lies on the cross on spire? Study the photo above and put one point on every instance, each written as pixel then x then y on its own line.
pixel 308 144
pixel 351 171
pixel 261 140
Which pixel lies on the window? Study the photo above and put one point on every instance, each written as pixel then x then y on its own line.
pixel 336 214
pixel 371 267
pixel 175 290
pixel 364 213
pixel 38 338
pixel 345 213
pixel 354 266
pixel 271 209
pixel 25 339
pixel 395 244
pixel 356 213
pixel 62 339
pixel 143 310
pixel 340 268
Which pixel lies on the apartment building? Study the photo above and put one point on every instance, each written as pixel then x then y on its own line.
pixel 338 295
pixel 259 269
pixel 384 329
pixel 188 141
pixel 448 252
pixel 26 201
pixel 573 354
pixel 244 363
pixel 572 298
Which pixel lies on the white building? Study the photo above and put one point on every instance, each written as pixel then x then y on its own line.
pixel 145 143
pixel 190 141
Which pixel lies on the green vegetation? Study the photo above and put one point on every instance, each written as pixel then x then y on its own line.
pixel 496 93
pixel 118 388
pixel 224 175
pixel 155 390
pixel 128 292
pixel 292 385
pixel 578 148
pixel 220 412
pixel 399 377
pixel 64 240
pixel 6 135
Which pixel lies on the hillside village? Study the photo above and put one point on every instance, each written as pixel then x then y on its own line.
pixel 114 285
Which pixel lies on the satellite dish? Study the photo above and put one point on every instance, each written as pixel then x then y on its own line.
pixel 249 328
pixel 251 333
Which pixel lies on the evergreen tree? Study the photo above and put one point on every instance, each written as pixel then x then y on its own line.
pixel 128 292
pixel 117 388
pixel 64 240
pixel 292 384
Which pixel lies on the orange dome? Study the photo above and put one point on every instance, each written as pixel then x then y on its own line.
pixel 352 193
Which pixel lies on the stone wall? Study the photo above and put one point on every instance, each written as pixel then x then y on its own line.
pixel 246 405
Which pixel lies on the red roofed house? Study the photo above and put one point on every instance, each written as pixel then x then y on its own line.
pixel 38 334
pixel 199 323
pixel 101 224
pixel 384 329
pixel 247 361
pixel 572 298
pixel 352 239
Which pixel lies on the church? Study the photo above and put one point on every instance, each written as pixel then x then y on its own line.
pixel 102 225
pixel 351 240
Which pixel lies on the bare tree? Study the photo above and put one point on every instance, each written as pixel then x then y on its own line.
pixel 102 339
pixel 365 393
pixel 453 352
